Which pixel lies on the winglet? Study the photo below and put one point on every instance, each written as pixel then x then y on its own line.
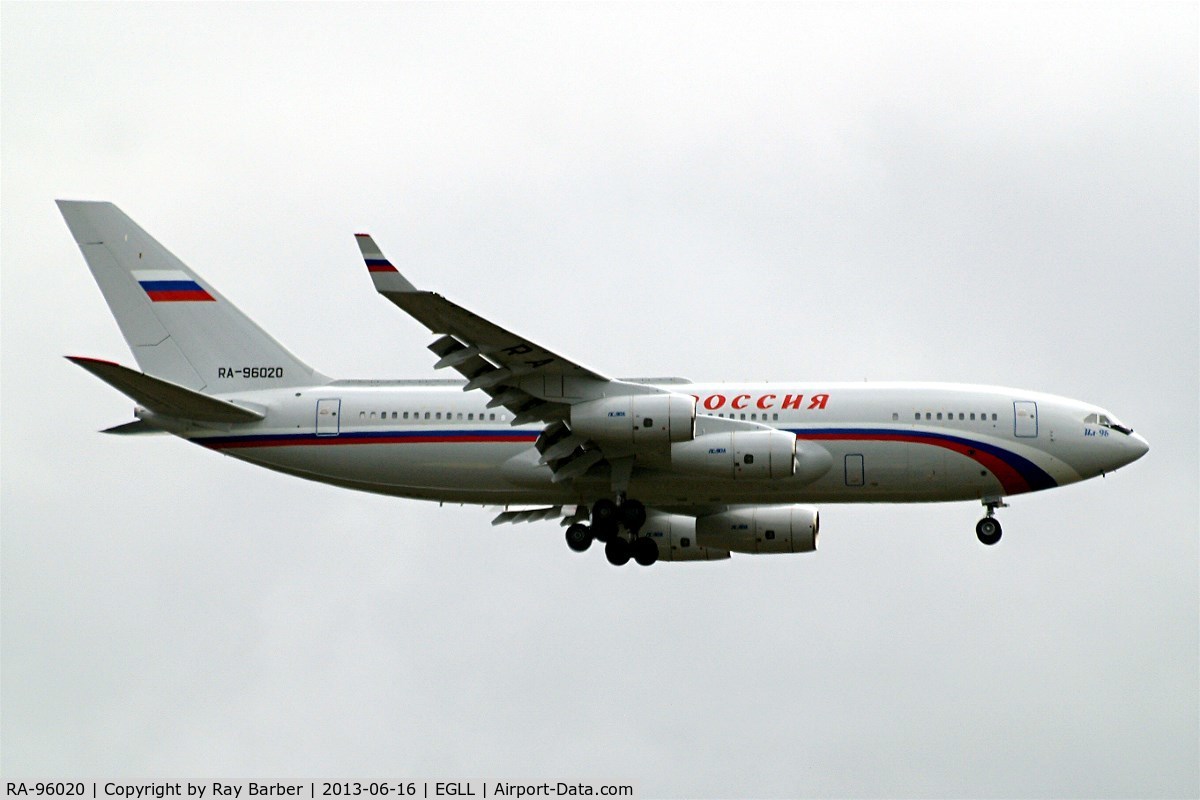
pixel 385 276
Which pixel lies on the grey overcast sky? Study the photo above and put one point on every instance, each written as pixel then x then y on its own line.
pixel 982 193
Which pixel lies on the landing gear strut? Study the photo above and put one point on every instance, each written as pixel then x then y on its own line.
pixel 605 518
pixel 633 515
pixel 988 529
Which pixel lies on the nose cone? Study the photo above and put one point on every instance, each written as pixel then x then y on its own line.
pixel 1138 447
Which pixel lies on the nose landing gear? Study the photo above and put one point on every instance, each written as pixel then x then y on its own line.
pixel 988 529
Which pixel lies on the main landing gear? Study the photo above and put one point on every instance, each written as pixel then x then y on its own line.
pixel 988 529
pixel 612 523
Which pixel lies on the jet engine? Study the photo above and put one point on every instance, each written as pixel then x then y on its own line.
pixel 675 536
pixel 640 419
pixel 738 454
pixel 761 529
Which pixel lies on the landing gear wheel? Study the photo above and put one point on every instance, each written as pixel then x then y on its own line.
pixel 579 537
pixel 645 551
pixel 617 551
pixel 605 532
pixel 633 515
pixel 988 530
pixel 604 511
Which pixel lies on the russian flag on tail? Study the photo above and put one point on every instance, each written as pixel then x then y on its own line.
pixel 170 286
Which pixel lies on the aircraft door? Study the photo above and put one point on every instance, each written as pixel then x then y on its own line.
pixel 854 470
pixel 1025 421
pixel 328 411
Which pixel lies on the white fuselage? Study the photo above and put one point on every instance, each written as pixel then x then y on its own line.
pixel 886 442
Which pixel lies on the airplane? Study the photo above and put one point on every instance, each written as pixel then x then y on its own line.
pixel 656 469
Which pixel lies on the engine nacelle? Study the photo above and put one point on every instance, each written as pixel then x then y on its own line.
pixel 675 536
pixel 738 454
pixel 761 529
pixel 639 419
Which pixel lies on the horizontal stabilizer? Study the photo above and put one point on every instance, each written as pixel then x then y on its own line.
pixel 164 397
pixel 130 428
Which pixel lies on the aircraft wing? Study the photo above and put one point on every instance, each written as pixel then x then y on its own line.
pixel 531 381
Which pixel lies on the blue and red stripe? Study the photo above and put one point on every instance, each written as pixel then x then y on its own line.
pixel 1016 473
pixel 365 437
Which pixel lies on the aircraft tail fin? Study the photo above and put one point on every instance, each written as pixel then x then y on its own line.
pixel 179 328
pixel 165 398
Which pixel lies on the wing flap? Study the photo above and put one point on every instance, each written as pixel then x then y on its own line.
pixel 568 514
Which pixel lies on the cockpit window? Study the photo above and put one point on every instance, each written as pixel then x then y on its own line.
pixel 1107 421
